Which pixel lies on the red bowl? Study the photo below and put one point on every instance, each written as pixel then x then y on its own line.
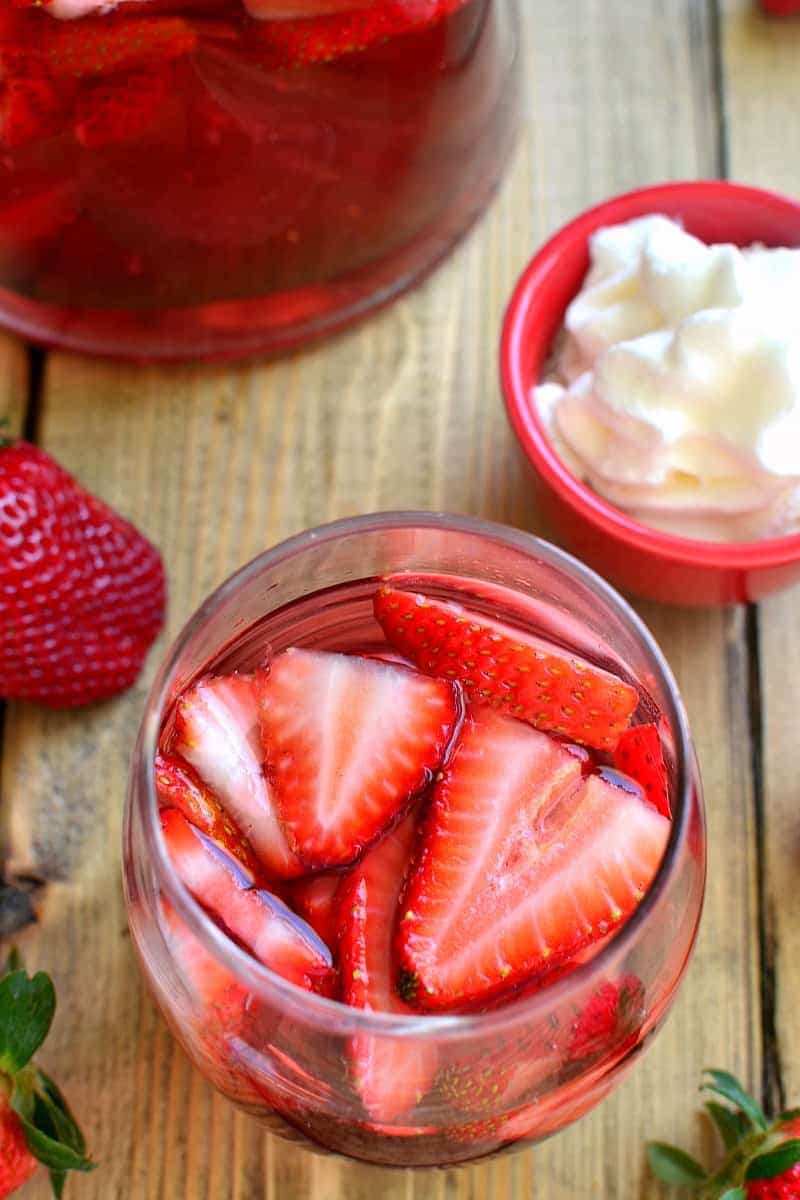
pixel 675 570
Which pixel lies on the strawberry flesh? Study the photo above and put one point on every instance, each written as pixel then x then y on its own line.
pixel 523 863
pixel 217 731
pixel 349 744
pixel 508 670
pixel 258 920
pixel 639 754
pixel 391 1073
pixel 613 1012
pixel 180 787
pixel 314 898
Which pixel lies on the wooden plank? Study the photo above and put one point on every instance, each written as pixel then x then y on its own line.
pixel 13 383
pixel 760 63
pixel 214 464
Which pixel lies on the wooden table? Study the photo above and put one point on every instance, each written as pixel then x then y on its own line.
pixel 215 463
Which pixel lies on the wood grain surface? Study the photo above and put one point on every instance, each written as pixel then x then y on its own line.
pixel 215 463
pixel 762 88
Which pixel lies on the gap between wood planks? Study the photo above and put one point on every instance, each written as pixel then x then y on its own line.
pixel 17 900
pixel 772 1085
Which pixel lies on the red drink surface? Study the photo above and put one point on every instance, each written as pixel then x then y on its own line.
pixel 212 193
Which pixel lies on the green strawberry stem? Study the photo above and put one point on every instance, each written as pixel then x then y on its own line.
pixel 733 1172
pixel 27 1008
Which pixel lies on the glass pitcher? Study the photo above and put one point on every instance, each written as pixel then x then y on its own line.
pixel 224 177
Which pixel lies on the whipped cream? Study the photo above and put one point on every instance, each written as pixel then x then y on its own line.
pixel 675 392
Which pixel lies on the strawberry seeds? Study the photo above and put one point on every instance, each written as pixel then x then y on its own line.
pixel 433 829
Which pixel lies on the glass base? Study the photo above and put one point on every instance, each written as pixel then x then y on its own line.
pixel 243 328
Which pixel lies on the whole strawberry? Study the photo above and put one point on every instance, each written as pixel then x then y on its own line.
pixel 762 1159
pixel 82 593
pixel 36 1125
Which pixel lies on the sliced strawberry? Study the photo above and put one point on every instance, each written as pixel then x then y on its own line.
pixel 258 920
pixel 391 1074
pixel 509 1069
pixel 104 45
pixel 219 1014
pixel 216 730
pixel 214 992
pixel 178 786
pixel 314 899
pixel 37 216
pixel 612 1015
pixel 506 669
pixel 119 109
pixel 640 755
pixel 349 743
pixel 523 863
pixel 321 39
pixel 32 108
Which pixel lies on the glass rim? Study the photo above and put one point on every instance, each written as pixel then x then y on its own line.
pixel 334 1013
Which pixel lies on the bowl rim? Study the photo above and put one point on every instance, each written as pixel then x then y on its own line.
pixel 333 1014
pixel 529 428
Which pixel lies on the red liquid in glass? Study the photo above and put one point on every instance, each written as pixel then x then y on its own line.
pixel 207 197
pixel 293 1081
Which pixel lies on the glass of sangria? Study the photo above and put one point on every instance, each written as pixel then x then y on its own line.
pixel 414 848
pixel 219 178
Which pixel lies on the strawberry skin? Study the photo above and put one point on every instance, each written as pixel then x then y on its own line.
pixel 180 787
pixel 315 899
pixel 349 743
pixel 82 593
pixel 523 862
pixel 782 1187
pixel 639 754
pixel 505 669
pixel 105 45
pixel 259 920
pixel 786 1186
pixel 321 39
pixel 217 732
pixel 391 1075
pixel 17 1164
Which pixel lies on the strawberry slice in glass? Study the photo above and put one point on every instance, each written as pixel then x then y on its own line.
pixel 523 862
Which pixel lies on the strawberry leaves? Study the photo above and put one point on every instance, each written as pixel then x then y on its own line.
pixel 757 1149
pixel 53 1137
pixel 671 1165
pixel 731 1126
pixel 726 1085
pixel 27 1007
pixel 775 1162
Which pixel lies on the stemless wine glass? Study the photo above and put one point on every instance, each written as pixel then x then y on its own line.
pixel 289 1062
pixel 224 177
